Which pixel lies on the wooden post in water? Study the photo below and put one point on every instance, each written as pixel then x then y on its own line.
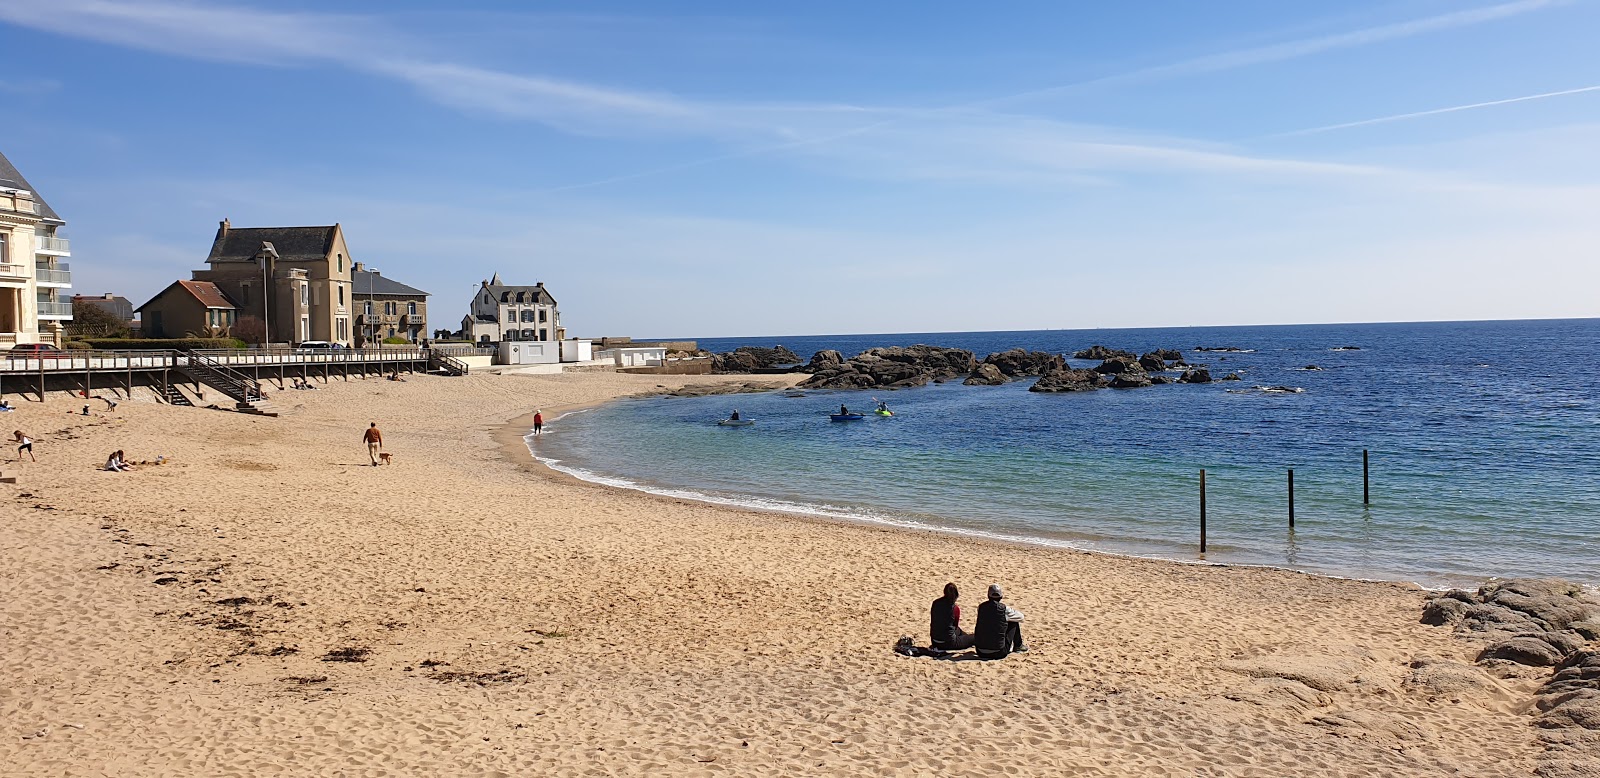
pixel 1202 510
pixel 1291 498
pixel 1366 490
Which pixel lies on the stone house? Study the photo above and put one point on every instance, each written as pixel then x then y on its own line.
pixel 387 308
pixel 32 271
pixel 296 279
pixel 505 313
pixel 186 307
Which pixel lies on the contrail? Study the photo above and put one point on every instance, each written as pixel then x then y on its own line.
pixel 1434 112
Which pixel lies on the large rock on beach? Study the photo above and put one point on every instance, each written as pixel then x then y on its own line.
pixel 893 367
pixel 1103 352
pixel 1017 362
pixel 1068 381
pixel 748 359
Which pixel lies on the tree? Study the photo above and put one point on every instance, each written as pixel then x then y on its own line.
pixel 92 321
pixel 250 329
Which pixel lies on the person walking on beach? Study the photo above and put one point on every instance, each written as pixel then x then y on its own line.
pixel 24 443
pixel 944 622
pixel 374 441
pixel 538 422
pixel 999 628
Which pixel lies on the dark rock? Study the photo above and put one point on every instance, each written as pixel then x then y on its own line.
pixel 1582 712
pixel 894 367
pixel 1101 352
pixel 1443 610
pixel 1152 362
pixel 1554 602
pixel 1493 618
pixel 1130 380
pixel 1067 381
pixel 1197 375
pixel 823 360
pixel 1310 367
pixel 1162 379
pixel 1589 628
pixel 985 375
pixel 1523 651
pixel 1169 354
pixel 1564 643
pixel 1231 377
pixel 1017 363
pixel 1223 349
pixel 1128 364
pixel 748 359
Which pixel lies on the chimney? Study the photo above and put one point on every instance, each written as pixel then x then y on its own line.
pixel 223 227
pixel 358 267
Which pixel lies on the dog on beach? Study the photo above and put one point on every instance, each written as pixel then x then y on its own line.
pixel 385 458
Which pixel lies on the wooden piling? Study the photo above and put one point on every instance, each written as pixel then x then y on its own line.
pixel 1291 498
pixel 1366 482
pixel 1202 510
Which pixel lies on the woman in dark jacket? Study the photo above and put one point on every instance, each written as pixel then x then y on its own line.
pixel 944 622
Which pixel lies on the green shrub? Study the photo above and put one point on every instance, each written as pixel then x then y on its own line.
pixel 397 341
pixel 76 345
pixel 149 344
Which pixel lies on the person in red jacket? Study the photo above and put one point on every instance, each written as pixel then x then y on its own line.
pixel 538 422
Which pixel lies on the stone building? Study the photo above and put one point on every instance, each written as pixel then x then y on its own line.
pixel 32 271
pixel 387 308
pixel 502 313
pixel 187 308
pixel 296 279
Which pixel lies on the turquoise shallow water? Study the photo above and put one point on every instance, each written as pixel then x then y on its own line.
pixel 1484 441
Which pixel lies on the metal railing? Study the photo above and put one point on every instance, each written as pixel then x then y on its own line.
pixel 60 274
pixel 54 308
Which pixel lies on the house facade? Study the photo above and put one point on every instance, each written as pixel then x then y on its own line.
pixel 33 270
pixel 296 279
pixel 509 313
pixel 386 308
pixel 187 308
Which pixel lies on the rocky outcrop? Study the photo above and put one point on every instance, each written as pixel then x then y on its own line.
pixel 1133 379
pixel 1168 354
pixel 1102 352
pixel 986 374
pixel 1128 364
pixel 1152 362
pixel 1198 375
pixel 748 359
pixel 1068 381
pixel 893 367
pixel 1539 623
pixel 823 360
pixel 1231 377
pixel 1018 363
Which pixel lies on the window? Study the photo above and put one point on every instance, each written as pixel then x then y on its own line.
pixel 305 295
pixel 341 294
pixel 542 315
pixel 509 335
pixel 341 262
pixel 527 315
pixel 244 294
pixel 411 308
pixel 305 328
pixel 527 335
pixel 388 308
pixel 344 328
pixel 544 335
pixel 511 316
pixel 5 250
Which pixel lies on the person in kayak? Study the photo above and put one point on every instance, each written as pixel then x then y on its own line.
pixel 998 631
pixel 735 416
pixel 883 407
pixel 944 622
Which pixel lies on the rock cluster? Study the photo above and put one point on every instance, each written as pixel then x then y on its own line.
pixel 1002 366
pixel 894 367
pixel 748 359
pixel 1102 352
pixel 1540 623
pixel 1068 380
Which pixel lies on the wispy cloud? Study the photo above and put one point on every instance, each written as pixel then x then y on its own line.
pixel 1399 117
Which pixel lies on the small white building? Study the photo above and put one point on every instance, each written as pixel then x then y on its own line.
pixel 640 356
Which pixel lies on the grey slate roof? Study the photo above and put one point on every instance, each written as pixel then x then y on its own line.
pixel 294 244
pixel 115 305
pixel 11 177
pixel 364 282
pixel 530 294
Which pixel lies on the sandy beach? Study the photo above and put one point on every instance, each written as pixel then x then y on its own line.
pixel 191 618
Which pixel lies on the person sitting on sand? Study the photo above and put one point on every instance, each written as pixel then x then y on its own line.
pixel 24 443
pixel 116 463
pixel 999 628
pixel 944 622
pixel 6 406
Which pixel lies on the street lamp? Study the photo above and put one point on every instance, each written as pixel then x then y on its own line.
pixel 267 256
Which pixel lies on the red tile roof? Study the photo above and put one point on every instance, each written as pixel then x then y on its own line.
pixel 208 294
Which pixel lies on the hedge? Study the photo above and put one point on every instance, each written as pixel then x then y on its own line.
pixel 151 344
pixel 76 345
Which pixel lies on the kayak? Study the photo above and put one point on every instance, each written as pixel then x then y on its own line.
pixel 846 416
pixel 736 422
pixel 884 413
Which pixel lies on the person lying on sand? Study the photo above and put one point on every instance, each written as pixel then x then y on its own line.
pixel 944 622
pixel 999 628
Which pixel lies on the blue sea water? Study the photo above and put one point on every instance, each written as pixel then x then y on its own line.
pixel 1484 441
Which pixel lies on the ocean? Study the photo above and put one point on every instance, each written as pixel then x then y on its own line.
pixel 1483 441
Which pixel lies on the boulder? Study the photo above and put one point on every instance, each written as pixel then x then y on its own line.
pixel 1523 651
pixel 1128 364
pixel 1198 375
pixel 1101 352
pixel 1152 362
pixel 1067 381
pixel 823 360
pixel 1162 379
pixel 1231 377
pixel 893 367
pixel 1130 380
pixel 747 359
pixel 986 374
pixel 1169 354
pixel 1440 611
pixel 1554 602
pixel 1017 362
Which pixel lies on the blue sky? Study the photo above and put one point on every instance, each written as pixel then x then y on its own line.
pixel 736 168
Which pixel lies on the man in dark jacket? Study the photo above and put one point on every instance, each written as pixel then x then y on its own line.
pixel 944 622
pixel 999 628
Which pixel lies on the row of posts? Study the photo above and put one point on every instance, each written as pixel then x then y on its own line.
pixel 1366 495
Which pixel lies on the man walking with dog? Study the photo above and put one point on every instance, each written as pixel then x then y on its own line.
pixel 374 441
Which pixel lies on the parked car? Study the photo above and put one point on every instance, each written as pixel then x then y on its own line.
pixel 34 349
pixel 316 345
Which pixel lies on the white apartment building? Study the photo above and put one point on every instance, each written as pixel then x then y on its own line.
pixel 33 273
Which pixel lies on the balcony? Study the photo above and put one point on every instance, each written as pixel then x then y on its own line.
pixel 413 318
pixel 369 319
pixel 51 246
pixel 53 309
pixel 46 275
pixel 14 270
